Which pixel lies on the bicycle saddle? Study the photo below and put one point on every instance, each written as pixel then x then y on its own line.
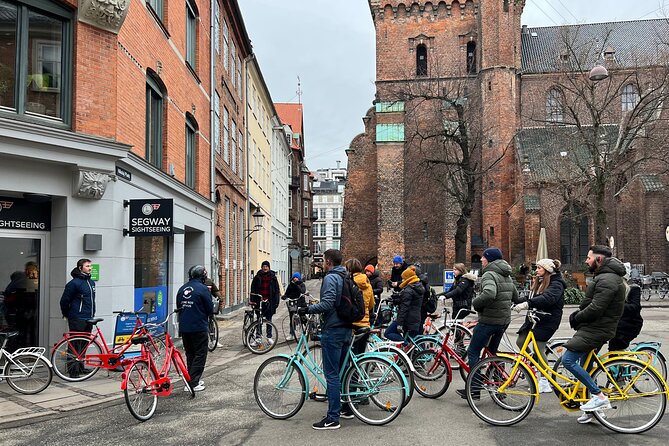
pixel 435 315
pixel 94 321
pixel 9 334
pixel 139 339
pixel 361 331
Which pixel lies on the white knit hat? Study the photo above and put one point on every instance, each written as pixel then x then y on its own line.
pixel 547 264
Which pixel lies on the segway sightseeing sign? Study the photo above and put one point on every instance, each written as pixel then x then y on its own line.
pixel 151 217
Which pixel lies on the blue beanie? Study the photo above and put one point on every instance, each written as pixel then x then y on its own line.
pixel 398 259
pixel 296 274
pixel 492 254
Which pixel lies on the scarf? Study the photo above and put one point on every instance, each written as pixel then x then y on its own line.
pixel 409 276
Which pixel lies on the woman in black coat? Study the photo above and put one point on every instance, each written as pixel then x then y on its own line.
pixel 547 295
pixel 462 290
pixel 631 321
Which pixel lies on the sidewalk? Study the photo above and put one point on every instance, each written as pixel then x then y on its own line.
pixel 104 388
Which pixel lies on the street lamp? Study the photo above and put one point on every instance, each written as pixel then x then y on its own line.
pixel 598 73
pixel 257 219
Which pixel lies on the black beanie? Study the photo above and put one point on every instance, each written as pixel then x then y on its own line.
pixel 264 263
pixel 492 254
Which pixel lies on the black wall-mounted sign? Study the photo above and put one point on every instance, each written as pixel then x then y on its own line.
pixel 19 213
pixel 151 217
pixel 124 174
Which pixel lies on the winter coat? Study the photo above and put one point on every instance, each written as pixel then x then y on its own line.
pixel 411 299
pixel 362 281
pixel 631 321
pixel 295 290
pixel 274 293
pixel 550 301
pixel 194 299
pixel 597 318
pixel 377 284
pixel 78 299
pixel 396 275
pixel 461 292
pixel 427 294
pixel 497 292
pixel 331 290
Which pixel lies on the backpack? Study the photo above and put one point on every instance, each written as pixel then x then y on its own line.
pixel 430 301
pixel 350 306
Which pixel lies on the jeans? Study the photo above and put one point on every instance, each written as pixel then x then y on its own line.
pixel 334 345
pixel 266 315
pixel 484 335
pixel 572 362
pixel 195 346
pixel 392 333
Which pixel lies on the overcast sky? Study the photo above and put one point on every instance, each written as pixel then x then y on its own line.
pixel 330 46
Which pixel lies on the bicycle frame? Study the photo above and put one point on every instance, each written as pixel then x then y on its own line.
pixel 26 371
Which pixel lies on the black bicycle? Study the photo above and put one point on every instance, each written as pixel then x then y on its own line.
pixel 213 333
pixel 258 333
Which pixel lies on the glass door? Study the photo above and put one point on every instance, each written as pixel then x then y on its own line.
pixel 20 281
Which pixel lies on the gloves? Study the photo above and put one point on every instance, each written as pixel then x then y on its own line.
pixel 522 306
pixel 400 330
pixel 442 298
pixel 572 320
pixel 302 311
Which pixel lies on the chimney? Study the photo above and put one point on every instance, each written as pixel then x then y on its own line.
pixel 524 30
pixel 338 163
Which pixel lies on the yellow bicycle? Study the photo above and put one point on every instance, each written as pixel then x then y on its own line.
pixel 502 389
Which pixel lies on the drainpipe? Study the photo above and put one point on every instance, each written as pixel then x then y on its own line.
pixel 247 173
pixel 212 117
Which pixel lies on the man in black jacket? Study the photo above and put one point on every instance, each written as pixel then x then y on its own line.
pixel 194 299
pixel 399 265
pixel 266 284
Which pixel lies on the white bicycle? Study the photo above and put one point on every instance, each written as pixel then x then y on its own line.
pixel 26 370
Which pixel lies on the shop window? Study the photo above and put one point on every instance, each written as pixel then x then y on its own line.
pixel 151 276
pixel 35 46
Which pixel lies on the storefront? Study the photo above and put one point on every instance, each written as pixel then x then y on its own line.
pixel 65 196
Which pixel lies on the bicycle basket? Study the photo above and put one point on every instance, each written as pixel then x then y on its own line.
pixel 385 316
pixel 216 302
pixel 292 306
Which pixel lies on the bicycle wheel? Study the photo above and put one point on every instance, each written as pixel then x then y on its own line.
pixel 433 373
pixel 279 388
pixel 658 361
pixel 494 406
pixel 213 334
pixel 28 374
pixel 374 389
pixel 139 395
pixel 402 361
pixel 645 292
pixel 261 337
pixel 69 358
pixel 553 353
pixel 248 320
pixel 637 394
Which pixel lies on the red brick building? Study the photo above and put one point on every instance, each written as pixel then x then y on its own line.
pixel 513 72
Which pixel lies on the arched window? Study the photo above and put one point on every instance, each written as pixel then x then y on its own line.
pixel 421 60
pixel 554 106
pixel 574 240
pixel 191 150
pixel 471 57
pixel 630 97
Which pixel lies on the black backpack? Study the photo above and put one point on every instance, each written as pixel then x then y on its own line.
pixel 350 306
pixel 430 301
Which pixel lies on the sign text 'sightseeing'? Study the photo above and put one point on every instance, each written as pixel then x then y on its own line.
pixel 151 217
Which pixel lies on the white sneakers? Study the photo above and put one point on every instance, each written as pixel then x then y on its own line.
pixel 290 338
pixel 596 403
pixel 587 417
pixel 198 388
pixel 270 341
pixel 544 386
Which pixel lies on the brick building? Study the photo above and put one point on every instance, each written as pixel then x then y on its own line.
pixel 511 72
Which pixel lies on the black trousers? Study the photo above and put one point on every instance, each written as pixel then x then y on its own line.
pixel 76 367
pixel 195 345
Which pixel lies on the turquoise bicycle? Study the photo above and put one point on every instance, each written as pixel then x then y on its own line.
pixel 372 384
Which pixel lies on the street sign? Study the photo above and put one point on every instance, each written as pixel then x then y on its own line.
pixel 449 279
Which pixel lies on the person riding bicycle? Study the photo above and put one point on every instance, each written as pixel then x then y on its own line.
pixel 194 299
pixel 493 306
pixel 266 284
pixel 408 316
pixel 596 320
pixel 295 290
pixel 335 334
pixel 546 295
pixel 462 290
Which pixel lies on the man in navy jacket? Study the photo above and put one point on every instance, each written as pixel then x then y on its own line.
pixel 195 302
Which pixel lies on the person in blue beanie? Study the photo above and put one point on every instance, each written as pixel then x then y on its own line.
pixel 295 290
pixel 399 265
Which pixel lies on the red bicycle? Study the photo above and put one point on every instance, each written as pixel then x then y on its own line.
pixel 143 382
pixel 79 349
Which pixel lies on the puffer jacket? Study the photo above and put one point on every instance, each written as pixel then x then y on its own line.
pixel 462 291
pixel 411 299
pixel 631 322
pixel 365 286
pixel 377 284
pixel 597 317
pixel 550 301
pixel 78 299
pixel 497 292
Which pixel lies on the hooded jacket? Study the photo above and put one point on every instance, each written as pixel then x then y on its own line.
pixel 194 299
pixel 597 317
pixel 462 292
pixel 331 290
pixel 377 284
pixel 550 301
pixel 78 299
pixel 411 300
pixel 362 281
pixel 497 292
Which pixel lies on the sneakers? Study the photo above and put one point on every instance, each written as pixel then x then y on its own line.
pixel 544 386
pixel 270 341
pixel 596 403
pixel 463 394
pixel 325 424
pixel 253 343
pixel 198 388
pixel 587 417
pixel 346 414
pixel 290 338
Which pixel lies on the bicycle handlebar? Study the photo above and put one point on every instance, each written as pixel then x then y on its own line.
pixel 160 324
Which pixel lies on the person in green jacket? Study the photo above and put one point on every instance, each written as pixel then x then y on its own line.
pixel 596 320
pixel 493 306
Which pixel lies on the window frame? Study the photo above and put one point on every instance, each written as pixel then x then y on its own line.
pixel 190 163
pixel 190 55
pixel 555 106
pixel 626 104
pixel 159 10
pixel 153 153
pixel 305 207
pixel 226 135
pixel 421 65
